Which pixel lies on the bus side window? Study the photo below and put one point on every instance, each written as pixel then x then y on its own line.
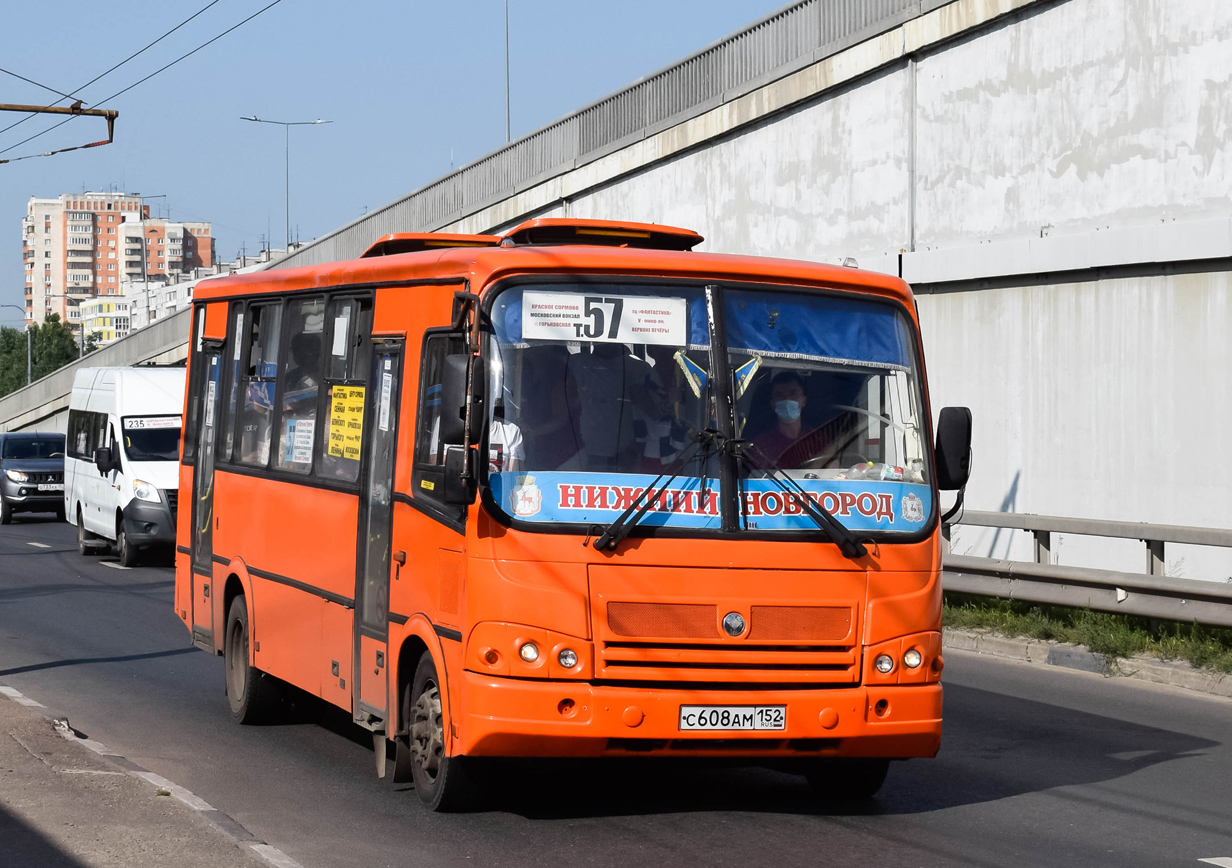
pixel 236 338
pixel 301 385
pixel 260 369
pixel 193 384
pixel 349 329
pixel 429 475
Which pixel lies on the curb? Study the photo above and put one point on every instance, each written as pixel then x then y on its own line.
pixel 1040 652
pixel 224 823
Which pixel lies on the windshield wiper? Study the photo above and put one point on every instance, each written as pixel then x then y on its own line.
pixel 848 543
pixel 649 496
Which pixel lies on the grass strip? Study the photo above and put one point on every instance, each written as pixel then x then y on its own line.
pixel 1115 636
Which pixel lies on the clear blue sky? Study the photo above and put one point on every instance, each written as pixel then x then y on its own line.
pixel 412 88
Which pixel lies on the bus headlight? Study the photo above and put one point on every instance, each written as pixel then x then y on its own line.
pixel 16 475
pixel 567 658
pixel 884 664
pixel 529 652
pixel 912 659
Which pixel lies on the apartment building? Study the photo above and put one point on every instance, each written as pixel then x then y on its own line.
pixel 78 247
pixel 106 317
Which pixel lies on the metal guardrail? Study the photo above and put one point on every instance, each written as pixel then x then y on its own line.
pixel 795 36
pixel 1150 594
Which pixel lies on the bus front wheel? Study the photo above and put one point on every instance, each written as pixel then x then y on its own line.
pixel 249 690
pixel 847 779
pixel 442 782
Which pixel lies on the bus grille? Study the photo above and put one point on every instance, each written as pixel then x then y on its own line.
pixel 808 644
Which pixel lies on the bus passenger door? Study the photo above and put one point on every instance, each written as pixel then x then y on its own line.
pixel 371 651
pixel 202 514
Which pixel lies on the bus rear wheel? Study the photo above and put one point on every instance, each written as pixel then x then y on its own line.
pixel 250 692
pixel 442 782
pixel 847 779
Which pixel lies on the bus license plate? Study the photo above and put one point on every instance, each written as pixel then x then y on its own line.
pixel 733 717
pixel 51 486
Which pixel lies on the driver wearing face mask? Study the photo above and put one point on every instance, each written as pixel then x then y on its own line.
pixel 787 443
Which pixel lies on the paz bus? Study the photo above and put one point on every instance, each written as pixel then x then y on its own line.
pixel 575 490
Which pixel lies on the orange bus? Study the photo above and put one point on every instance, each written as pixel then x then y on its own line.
pixel 572 491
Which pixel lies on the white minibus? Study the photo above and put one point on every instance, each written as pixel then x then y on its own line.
pixel 122 461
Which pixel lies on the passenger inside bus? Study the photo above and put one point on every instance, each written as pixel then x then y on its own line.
pixel 611 386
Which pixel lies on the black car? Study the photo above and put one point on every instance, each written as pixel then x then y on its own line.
pixel 31 474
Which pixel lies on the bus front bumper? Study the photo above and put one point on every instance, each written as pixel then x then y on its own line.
pixel 520 718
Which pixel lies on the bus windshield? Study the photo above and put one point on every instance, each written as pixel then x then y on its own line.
pixel 600 389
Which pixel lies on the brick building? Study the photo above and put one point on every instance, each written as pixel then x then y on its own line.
pixel 82 246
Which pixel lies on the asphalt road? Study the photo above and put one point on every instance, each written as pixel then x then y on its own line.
pixel 1038 766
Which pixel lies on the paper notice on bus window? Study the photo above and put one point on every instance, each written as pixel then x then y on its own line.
pixel 297 444
pixel 238 338
pixel 341 324
pixel 133 423
pixel 387 386
pixel 209 404
pixel 627 319
pixel 346 421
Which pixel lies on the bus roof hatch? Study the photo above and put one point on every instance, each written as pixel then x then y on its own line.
pixel 605 233
pixel 414 242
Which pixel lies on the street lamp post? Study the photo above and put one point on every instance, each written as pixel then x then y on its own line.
pixel 29 348
pixel 286 126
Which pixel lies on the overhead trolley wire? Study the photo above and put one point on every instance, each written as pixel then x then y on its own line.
pixel 107 72
pixel 136 83
pixel 36 84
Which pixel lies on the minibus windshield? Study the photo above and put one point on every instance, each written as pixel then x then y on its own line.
pixel 152 438
pixel 599 388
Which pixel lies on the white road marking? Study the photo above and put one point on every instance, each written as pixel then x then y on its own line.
pixel 38 545
pixel 1221 861
pixel 17 697
pixel 275 857
pixel 193 801
pixel 114 565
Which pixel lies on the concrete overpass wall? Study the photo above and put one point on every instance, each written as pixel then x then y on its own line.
pixel 43 405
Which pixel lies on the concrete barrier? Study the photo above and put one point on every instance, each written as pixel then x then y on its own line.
pixel 43 405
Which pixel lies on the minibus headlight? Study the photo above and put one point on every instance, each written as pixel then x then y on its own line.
pixel 884 664
pixel 144 491
pixel 529 652
pixel 912 659
pixel 16 475
pixel 567 658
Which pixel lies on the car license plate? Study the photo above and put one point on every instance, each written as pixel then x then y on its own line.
pixel 51 486
pixel 733 717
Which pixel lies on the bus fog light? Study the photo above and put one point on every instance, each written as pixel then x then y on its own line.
pixel 567 658
pixel 912 659
pixel 884 663
pixel 529 652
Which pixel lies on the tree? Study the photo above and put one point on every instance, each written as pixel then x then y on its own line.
pixel 54 346
pixel 12 360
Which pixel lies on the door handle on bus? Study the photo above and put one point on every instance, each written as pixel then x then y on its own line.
pixel 399 559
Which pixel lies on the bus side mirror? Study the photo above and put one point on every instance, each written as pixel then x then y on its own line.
pixel 953 448
pixel 453 398
pixel 459 476
pixel 103 460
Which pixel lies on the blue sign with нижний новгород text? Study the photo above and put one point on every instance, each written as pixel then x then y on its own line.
pixel 566 496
